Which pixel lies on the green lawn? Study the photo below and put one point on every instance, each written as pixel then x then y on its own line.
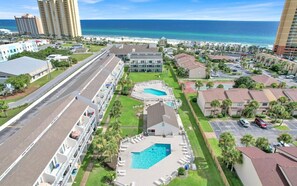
pixel 80 57
pixel 214 143
pixel 202 119
pixel 295 143
pixel 282 127
pixel 193 179
pixel 94 48
pixel 97 175
pixel 10 114
pixel 44 80
pixel 131 123
pixel 207 173
pixel 83 168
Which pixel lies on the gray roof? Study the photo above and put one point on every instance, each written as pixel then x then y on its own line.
pixel 146 55
pixel 23 65
pixel 28 169
pixel 159 113
pixel 126 49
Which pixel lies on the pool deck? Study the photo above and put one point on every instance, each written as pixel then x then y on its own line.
pixel 164 168
pixel 138 91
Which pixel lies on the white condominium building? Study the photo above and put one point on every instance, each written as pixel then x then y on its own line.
pixel 60 17
pixel 14 48
pixel 29 25
pixel 50 147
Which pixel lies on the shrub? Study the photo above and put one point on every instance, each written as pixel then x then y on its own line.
pixel 220 115
pixel 236 116
pixel 210 116
pixel 194 100
pixel 181 171
pixel 261 116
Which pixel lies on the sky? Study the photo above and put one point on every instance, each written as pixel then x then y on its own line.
pixel 243 10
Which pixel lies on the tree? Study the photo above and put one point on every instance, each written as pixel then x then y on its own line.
pixel 215 104
pixel 220 86
pixel 111 148
pixel 226 104
pixel 230 155
pixel 2 86
pixel 282 100
pixel 209 84
pixel 19 82
pixel 278 112
pixel 3 107
pixel 181 72
pixel 250 109
pixel 198 85
pixel 262 143
pixel 285 138
pixel 274 85
pixel 245 80
pixel 291 107
pixel 115 113
pixel 248 140
pixel 282 85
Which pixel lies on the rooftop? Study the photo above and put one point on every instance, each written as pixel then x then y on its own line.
pixel 159 113
pixel 238 95
pixel 259 96
pixel 126 49
pixel 22 65
pixel 213 94
pixel 187 61
pixel 274 169
pixel 266 80
pixel 146 55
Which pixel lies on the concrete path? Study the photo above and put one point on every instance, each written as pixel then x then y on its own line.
pixel 87 173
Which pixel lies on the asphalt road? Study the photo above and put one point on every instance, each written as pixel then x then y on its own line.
pixel 42 90
pixel 238 131
pixel 69 87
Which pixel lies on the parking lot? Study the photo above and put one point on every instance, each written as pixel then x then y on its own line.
pixel 238 131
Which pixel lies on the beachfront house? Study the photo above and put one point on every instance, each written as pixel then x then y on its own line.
pixel 161 120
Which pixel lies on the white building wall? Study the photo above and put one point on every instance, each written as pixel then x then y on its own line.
pixel 164 129
pixel 10 49
pixel 247 173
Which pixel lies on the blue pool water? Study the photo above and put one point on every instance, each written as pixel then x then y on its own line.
pixel 154 92
pixel 150 156
pixel 170 104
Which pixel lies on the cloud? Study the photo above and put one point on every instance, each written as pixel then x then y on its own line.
pixel 90 1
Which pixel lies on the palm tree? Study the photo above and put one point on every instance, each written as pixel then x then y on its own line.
pixel 282 85
pixel 291 107
pixel 250 109
pixel 117 104
pixel 198 85
pixel 282 100
pixel 3 107
pixel 226 104
pixel 115 113
pixel 215 104
pixel 111 149
pixel 285 138
pixel 209 84
pixel 262 143
pixel 248 140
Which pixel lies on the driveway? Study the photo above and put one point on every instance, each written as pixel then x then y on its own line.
pixel 238 131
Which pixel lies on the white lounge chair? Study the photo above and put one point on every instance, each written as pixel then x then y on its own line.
pixel 182 144
pixel 121 164
pixel 132 183
pixel 132 141
pixel 163 180
pixel 157 182
pixel 124 146
pixel 121 173
pixel 122 149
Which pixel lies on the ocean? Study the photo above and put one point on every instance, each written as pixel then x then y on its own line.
pixel 247 32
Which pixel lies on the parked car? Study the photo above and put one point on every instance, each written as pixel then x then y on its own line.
pixel 261 123
pixel 290 77
pixel 244 122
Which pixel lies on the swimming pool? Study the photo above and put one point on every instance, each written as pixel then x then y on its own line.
pixel 154 92
pixel 150 156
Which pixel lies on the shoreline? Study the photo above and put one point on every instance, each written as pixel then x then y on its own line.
pixel 122 39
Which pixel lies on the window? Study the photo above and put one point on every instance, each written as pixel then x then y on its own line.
pixel 265 104
pixel 52 166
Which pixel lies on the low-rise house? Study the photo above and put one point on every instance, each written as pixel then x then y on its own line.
pixel 162 120
pixel 146 62
pixel 207 96
pixel 292 95
pixel 217 58
pixel 239 98
pixel 266 80
pixel 57 57
pixel 262 99
pixel 267 169
pixel 194 69
pixel 25 65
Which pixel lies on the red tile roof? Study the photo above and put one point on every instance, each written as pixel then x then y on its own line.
pixel 213 94
pixel 238 95
pixel 259 96
pixel 273 169
pixel 187 61
pixel 266 80
pixel 292 94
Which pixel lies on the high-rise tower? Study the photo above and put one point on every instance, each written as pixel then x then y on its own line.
pixel 60 17
pixel 286 39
